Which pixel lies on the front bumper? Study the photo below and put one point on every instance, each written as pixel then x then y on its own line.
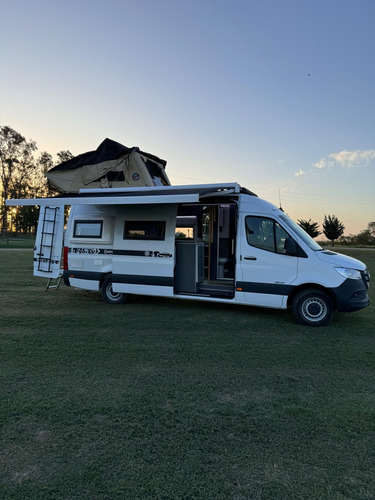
pixel 351 296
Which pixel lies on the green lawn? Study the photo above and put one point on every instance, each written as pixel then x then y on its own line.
pixel 18 242
pixel 163 399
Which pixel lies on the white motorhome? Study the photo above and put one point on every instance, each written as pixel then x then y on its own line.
pixel 216 242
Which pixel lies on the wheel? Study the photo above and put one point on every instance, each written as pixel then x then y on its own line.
pixel 110 296
pixel 313 308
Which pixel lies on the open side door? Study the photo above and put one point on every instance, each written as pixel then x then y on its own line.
pixel 48 244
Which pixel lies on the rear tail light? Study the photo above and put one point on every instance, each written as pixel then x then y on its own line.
pixel 65 261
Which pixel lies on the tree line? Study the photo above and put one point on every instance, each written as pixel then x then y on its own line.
pixel 22 176
pixel 333 230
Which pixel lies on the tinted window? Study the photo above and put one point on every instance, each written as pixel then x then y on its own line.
pixel 88 229
pixel 266 234
pixel 301 233
pixel 144 230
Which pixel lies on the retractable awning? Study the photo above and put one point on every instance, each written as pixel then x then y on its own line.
pixel 156 195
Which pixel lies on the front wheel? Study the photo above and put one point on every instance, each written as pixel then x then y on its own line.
pixel 110 296
pixel 313 308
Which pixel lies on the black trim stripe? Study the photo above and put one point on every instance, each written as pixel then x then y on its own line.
pixel 134 279
pixel 131 279
pixel 266 288
pixel 46 261
pixel 108 251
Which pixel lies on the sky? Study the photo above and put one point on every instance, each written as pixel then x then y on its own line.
pixel 278 95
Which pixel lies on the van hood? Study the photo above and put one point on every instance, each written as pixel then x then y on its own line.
pixel 340 260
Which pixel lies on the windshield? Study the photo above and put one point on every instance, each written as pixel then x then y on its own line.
pixel 301 233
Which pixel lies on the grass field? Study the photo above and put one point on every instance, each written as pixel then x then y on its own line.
pixel 163 399
pixel 17 242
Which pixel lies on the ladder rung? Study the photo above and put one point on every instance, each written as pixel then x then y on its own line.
pixel 53 286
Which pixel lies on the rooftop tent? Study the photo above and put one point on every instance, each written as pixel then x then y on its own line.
pixel 112 165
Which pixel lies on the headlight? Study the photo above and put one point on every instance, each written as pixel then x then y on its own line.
pixel 352 274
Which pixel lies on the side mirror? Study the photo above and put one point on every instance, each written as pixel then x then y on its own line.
pixel 291 247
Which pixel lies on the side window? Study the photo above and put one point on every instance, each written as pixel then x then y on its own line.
pixel 266 234
pixel 184 233
pixel 144 230
pixel 88 229
pixel 280 237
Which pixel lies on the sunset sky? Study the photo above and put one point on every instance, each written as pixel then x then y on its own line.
pixel 278 95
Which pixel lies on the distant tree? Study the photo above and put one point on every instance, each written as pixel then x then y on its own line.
pixel 332 228
pixel 365 238
pixel 64 156
pixel 26 218
pixel 45 161
pixel 180 235
pixel 17 167
pixel 22 175
pixel 311 228
pixel 350 240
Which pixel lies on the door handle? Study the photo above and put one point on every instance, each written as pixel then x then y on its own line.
pixel 250 258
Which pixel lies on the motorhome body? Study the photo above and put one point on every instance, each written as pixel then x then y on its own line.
pixel 215 242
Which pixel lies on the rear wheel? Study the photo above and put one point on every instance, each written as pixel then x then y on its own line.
pixel 110 296
pixel 313 308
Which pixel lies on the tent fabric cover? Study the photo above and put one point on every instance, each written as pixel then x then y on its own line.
pixel 108 150
pixel 110 165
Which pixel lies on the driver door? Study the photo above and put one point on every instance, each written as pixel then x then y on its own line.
pixel 267 271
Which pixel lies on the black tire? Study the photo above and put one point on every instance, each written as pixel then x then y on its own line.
pixel 110 296
pixel 313 308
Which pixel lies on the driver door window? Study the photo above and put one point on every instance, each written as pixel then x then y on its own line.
pixel 265 234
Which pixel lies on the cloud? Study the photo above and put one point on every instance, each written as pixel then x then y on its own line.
pixel 323 163
pixel 347 159
pixel 354 158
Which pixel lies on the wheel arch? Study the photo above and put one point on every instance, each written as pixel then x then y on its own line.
pixel 310 286
pixel 109 295
pixel 103 278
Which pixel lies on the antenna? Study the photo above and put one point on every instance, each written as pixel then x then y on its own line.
pixel 280 202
